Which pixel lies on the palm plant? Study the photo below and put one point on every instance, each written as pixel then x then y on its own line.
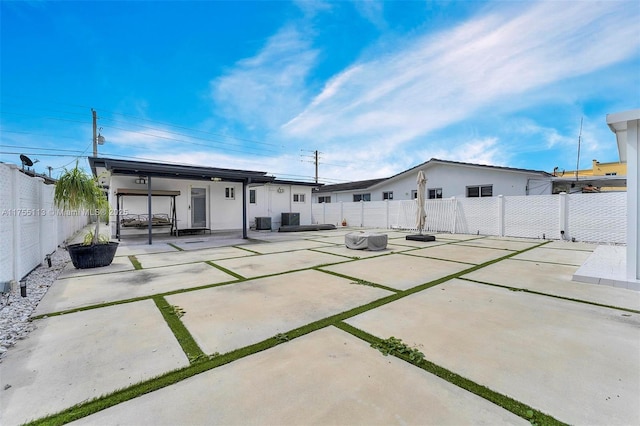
pixel 77 190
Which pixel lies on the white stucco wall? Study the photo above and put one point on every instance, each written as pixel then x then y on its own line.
pixel 273 199
pixel 454 179
pixel 222 213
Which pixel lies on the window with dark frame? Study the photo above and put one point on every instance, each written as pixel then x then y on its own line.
pixel 252 196
pixel 362 197
pixel 230 193
pixel 434 193
pixel 298 198
pixel 480 191
pixel 387 195
pixel 324 199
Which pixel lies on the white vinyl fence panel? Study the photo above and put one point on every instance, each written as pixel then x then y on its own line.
pixel 599 218
pixel 30 226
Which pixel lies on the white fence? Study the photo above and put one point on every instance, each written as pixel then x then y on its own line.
pixel 30 226
pixel 599 218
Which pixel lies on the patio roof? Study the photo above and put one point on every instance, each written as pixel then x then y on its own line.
pixel 176 171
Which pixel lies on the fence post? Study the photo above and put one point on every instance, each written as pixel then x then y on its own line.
pixel 501 215
pixel 564 216
pixel 41 219
pixel 14 205
pixel 455 214
pixel 387 213
pixel 341 212
pixel 361 213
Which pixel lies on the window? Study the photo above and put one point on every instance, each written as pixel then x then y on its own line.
pixel 325 199
pixel 480 191
pixel 414 194
pixel 298 198
pixel 433 193
pixel 362 197
pixel 611 174
pixel 252 196
pixel 387 195
pixel 230 193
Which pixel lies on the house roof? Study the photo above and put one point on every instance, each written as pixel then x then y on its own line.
pixel 371 183
pixel 176 171
pixel 350 186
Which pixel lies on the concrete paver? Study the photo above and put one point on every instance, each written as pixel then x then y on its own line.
pixel 191 256
pixel 359 254
pixel 553 279
pixel 233 316
pixel 457 237
pixel 275 263
pixel 501 244
pixel 284 246
pixel 398 271
pixel 76 292
pixel 577 362
pixel 119 264
pixel 419 244
pixel 136 249
pixel 568 245
pixel 326 377
pixel 566 257
pixel 72 358
pixel 462 253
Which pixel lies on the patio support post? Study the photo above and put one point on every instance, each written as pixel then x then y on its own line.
pixel 244 208
pixel 633 186
pixel 150 218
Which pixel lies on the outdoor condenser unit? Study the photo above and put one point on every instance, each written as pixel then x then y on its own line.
pixel 290 219
pixel 263 223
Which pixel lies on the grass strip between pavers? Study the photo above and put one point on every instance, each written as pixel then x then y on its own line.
pixel 135 262
pixel 225 270
pixel 184 338
pixel 518 408
pixel 203 362
pixel 175 247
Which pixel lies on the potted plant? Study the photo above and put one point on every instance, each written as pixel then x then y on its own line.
pixel 77 190
pixel 344 222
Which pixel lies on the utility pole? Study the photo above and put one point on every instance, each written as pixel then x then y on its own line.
pixel 316 160
pixel 316 154
pixel 49 168
pixel 95 132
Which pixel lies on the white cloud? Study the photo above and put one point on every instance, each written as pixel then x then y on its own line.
pixel 441 79
pixel 269 88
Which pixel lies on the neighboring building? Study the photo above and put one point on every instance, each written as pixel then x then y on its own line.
pixel 187 197
pixel 445 179
pixel 601 177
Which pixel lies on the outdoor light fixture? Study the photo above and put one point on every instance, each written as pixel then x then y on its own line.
pixel 141 181
pixel 216 179
pixel 23 288
pixel 280 190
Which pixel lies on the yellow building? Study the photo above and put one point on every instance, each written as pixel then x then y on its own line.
pixel 603 169
pixel 583 183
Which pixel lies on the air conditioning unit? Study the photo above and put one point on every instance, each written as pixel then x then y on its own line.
pixel 263 223
pixel 290 219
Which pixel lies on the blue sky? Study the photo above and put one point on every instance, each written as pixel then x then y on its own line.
pixel 376 87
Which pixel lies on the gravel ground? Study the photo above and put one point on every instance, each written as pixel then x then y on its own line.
pixel 16 310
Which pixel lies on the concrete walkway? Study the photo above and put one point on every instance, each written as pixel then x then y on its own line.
pixel 273 318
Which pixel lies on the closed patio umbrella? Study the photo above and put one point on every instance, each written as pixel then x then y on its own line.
pixel 422 214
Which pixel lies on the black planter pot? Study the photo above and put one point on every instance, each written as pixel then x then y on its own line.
pixel 93 256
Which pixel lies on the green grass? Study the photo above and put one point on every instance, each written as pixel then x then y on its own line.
pixel 171 315
pixel 135 262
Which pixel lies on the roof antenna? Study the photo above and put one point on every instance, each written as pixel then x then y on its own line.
pixel 579 139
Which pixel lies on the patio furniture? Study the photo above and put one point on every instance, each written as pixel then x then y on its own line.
pixel 366 240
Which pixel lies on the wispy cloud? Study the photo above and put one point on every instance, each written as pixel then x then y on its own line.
pixel 269 88
pixel 490 61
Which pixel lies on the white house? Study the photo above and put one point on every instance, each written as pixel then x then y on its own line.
pixel 148 198
pixel 445 179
